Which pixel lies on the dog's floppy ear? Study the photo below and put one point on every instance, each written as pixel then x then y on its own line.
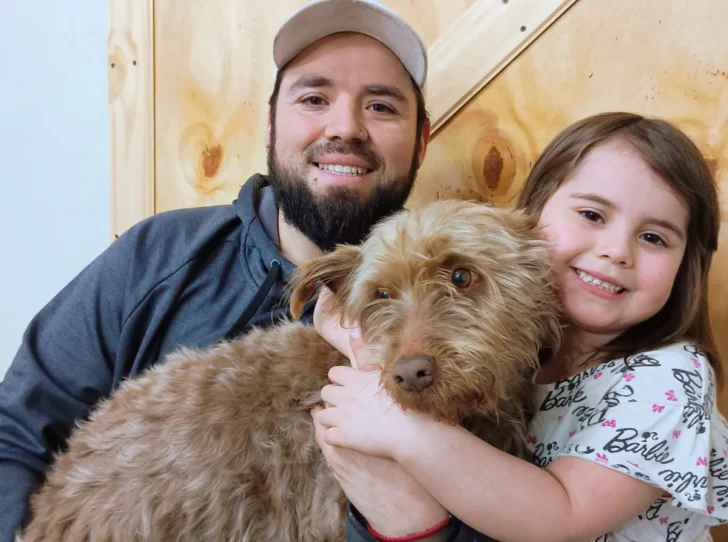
pixel 332 269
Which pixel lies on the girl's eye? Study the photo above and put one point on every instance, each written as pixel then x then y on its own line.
pixel 654 239
pixel 591 216
pixel 381 108
pixel 382 293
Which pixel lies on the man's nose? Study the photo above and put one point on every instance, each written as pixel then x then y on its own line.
pixel 346 123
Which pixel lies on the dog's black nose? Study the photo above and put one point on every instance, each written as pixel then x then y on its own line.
pixel 415 372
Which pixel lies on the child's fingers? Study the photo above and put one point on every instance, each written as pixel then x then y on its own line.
pixel 344 376
pixel 318 428
pixel 333 395
pixel 327 417
pixel 333 436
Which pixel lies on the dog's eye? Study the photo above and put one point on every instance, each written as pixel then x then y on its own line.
pixel 462 278
pixel 382 293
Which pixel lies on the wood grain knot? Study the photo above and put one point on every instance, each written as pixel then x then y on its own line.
pixel 201 158
pixel 493 168
pixel 211 159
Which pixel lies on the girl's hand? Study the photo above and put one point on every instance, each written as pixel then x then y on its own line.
pixel 362 416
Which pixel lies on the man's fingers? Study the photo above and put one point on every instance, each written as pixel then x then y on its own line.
pixel 327 324
pixel 359 349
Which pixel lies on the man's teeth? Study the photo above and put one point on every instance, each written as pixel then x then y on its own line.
pixel 343 170
pixel 586 277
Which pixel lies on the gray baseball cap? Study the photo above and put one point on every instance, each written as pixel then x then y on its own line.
pixel 321 18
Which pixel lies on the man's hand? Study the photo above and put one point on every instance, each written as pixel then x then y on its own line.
pixel 393 503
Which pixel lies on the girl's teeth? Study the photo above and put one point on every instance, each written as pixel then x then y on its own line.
pixel 342 170
pixel 586 277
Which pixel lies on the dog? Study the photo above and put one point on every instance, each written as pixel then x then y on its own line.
pixel 456 300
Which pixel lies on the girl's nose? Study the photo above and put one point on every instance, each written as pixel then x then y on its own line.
pixel 616 247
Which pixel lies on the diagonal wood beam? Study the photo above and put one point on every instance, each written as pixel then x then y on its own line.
pixel 480 44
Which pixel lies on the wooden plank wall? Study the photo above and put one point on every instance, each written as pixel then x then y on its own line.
pixel 214 74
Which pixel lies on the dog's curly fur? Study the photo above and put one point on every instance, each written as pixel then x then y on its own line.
pixel 218 445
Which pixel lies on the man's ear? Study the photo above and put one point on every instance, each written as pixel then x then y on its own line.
pixel 424 142
pixel 333 269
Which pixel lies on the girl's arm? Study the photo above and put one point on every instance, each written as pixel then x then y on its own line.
pixel 497 494
pixel 511 499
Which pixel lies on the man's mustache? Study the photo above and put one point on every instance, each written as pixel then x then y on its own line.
pixel 359 150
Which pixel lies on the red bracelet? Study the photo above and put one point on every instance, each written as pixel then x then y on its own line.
pixel 409 537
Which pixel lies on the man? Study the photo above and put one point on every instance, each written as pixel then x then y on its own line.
pixel 347 133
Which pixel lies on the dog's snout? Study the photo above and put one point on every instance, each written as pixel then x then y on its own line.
pixel 414 373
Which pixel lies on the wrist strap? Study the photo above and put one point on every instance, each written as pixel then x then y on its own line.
pixel 409 537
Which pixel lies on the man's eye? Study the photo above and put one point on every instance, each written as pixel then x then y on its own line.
pixel 313 100
pixel 381 108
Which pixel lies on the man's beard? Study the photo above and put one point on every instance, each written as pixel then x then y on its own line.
pixel 340 215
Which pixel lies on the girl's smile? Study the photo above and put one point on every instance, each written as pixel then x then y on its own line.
pixel 599 284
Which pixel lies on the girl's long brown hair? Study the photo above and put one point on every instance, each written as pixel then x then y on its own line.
pixel 679 162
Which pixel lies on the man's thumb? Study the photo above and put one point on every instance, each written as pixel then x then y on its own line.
pixel 359 350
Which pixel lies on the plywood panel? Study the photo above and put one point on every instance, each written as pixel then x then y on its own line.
pixel 131 112
pixel 461 66
pixel 214 73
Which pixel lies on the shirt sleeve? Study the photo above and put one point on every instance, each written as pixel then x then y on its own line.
pixel 662 427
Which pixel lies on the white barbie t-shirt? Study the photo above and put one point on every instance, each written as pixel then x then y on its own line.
pixel 652 416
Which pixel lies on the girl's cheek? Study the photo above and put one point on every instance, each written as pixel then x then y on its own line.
pixel 555 241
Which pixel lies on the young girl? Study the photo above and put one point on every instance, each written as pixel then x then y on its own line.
pixel 627 439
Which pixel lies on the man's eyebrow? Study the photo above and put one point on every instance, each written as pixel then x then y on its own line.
pixel 317 81
pixel 653 221
pixel 310 81
pixel 386 90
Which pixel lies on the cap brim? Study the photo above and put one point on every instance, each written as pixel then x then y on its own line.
pixel 325 17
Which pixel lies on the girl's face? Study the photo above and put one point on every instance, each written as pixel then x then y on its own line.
pixel 618 235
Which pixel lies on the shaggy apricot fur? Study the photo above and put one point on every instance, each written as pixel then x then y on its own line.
pixel 218 445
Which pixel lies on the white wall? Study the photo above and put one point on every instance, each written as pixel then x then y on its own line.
pixel 54 153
